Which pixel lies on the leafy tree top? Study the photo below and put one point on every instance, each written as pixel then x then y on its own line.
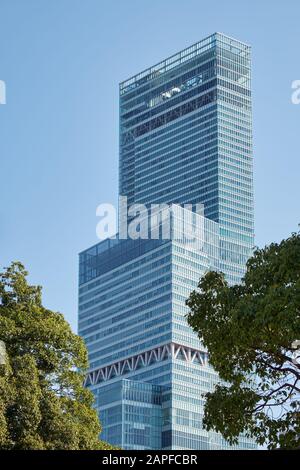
pixel 43 404
pixel 252 332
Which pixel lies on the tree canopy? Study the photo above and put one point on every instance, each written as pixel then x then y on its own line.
pixel 43 404
pixel 252 334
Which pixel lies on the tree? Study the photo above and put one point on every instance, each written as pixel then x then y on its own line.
pixel 252 332
pixel 43 404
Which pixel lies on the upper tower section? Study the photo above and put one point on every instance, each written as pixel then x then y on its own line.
pixel 186 134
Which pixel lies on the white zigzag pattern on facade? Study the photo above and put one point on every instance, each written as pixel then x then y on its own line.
pixel 159 354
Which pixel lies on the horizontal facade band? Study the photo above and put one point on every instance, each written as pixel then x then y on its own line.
pixel 147 358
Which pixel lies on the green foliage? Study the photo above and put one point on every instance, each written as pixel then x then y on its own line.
pixel 250 332
pixel 43 404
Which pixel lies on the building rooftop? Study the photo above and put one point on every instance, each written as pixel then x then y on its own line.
pixel 180 57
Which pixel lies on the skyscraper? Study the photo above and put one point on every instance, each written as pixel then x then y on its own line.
pixel 185 138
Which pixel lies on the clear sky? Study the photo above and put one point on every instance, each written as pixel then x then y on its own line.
pixel 62 61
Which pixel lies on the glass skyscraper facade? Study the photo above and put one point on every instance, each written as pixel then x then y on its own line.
pixel 185 138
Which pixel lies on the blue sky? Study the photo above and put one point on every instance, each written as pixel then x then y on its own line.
pixel 62 61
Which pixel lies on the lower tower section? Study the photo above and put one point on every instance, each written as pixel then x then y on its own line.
pixel 148 370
